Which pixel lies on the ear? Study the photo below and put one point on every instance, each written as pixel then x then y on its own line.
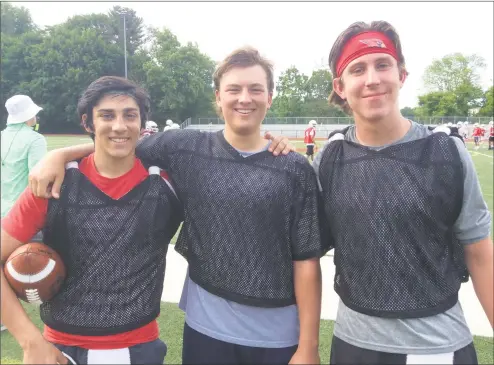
pixel 339 88
pixel 84 119
pixel 270 100
pixel 403 77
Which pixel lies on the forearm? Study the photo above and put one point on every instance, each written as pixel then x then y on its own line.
pixel 15 318
pixel 76 152
pixel 308 293
pixel 480 265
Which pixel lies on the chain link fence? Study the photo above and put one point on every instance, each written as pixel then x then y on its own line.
pixel 339 120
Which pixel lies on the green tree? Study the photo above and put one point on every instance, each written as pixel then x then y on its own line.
pixel 487 105
pixel 320 108
pixel 14 68
pixel 437 103
pixel 452 71
pixel 320 85
pixel 179 78
pixel 65 63
pixel 291 91
pixel 15 20
pixel 408 112
pixel 134 28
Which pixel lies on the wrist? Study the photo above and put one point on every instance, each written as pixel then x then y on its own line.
pixel 30 339
pixel 308 345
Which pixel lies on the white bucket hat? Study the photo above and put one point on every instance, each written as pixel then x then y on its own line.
pixel 21 108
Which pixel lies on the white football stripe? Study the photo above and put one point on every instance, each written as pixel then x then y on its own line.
pixel 30 279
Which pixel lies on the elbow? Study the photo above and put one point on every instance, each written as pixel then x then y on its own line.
pixel 479 254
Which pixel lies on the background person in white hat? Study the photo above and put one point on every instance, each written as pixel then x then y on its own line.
pixel 22 148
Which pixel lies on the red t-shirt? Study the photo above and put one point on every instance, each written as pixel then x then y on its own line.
pixel 477 132
pixel 27 217
pixel 491 131
pixel 309 135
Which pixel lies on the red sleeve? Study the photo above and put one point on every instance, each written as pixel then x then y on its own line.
pixel 27 216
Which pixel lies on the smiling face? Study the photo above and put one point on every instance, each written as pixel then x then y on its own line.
pixel 116 126
pixel 370 84
pixel 244 98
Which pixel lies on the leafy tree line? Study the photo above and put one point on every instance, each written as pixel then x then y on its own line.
pixel 54 65
pixel 454 89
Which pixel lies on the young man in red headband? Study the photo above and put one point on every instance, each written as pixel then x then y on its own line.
pixel 420 224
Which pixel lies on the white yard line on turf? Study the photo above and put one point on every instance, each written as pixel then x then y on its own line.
pixel 476 153
pixel 483 154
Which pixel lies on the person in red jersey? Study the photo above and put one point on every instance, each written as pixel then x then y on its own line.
pixel 111 227
pixel 310 139
pixel 491 135
pixel 150 128
pixel 477 135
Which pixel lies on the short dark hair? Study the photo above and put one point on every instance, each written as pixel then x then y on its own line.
pixel 111 85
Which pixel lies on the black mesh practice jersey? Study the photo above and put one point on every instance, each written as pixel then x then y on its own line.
pixel 391 213
pixel 114 252
pixel 246 218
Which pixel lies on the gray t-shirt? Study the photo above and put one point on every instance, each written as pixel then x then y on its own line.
pixel 442 333
pixel 236 323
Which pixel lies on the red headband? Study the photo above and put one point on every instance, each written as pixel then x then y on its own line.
pixel 362 44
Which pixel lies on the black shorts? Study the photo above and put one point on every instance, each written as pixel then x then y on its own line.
pixel 476 139
pixel 344 353
pixel 201 349
pixel 491 138
pixel 310 150
pixel 153 352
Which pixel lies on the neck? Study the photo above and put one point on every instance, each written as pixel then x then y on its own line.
pixel 382 132
pixel 250 142
pixel 110 167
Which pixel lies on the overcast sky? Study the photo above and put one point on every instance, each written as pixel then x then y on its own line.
pixel 302 33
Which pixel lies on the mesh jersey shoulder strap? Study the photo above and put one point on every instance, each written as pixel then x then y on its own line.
pixel 341 131
pixel 450 131
pixel 152 170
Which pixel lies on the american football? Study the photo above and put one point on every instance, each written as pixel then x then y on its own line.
pixel 35 272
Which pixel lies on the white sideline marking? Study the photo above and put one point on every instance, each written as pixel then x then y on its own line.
pixel 483 154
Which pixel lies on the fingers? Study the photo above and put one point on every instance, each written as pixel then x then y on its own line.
pixel 57 185
pixel 289 148
pixel 269 136
pixel 33 184
pixel 278 145
pixel 41 189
